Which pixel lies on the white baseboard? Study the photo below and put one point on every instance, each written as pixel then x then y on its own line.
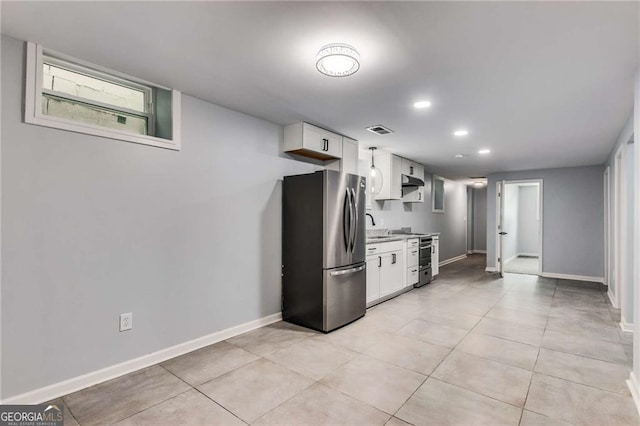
pixel 632 383
pixel 453 259
pixel 491 269
pixel 479 251
pixel 612 299
pixel 74 384
pixel 625 326
pixel 573 277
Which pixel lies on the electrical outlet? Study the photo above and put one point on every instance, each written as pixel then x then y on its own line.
pixel 126 321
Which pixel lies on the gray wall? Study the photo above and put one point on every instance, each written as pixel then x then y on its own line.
pixel 188 241
pixel 510 222
pixel 572 219
pixel 451 224
pixel 480 218
pixel 528 223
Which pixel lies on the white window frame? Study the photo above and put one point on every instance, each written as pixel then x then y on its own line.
pixel 33 102
pixel 435 178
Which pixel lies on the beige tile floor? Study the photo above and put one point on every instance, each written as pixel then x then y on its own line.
pixel 468 349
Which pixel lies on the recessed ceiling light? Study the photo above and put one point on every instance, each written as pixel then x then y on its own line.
pixel 459 155
pixel 461 132
pixel 338 60
pixel 422 104
pixel 484 151
pixel 478 184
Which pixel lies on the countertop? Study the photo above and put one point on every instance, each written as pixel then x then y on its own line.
pixel 397 237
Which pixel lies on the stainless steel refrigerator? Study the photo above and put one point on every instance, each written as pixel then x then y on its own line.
pixel 323 249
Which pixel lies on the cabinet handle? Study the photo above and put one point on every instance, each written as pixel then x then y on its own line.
pixel 414 252
pixel 419 196
pixel 411 170
pixel 325 145
pixel 379 262
pixel 393 258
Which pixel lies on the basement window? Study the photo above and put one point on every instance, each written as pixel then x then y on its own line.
pixel 69 94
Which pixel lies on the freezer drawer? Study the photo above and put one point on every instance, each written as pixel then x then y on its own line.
pixel 345 295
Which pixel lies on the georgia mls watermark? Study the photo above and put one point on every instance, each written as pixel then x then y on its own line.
pixel 32 415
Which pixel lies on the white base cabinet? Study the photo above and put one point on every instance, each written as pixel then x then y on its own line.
pixel 413 257
pixel 386 269
pixel 435 255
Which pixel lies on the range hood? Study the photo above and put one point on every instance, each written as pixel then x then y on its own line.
pixel 408 180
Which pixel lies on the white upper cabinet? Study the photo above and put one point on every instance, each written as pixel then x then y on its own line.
pixel 411 168
pixel 349 162
pixel 310 141
pixel 390 168
pixel 413 194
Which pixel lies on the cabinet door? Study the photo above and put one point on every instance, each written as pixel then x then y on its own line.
pixel 373 278
pixel 435 257
pixel 312 138
pixel 396 178
pixel 412 256
pixel 392 273
pixel 419 171
pixel 349 162
pixel 412 276
pixel 413 194
pixel 333 144
pixel 321 141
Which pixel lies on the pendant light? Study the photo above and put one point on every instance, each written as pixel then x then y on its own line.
pixel 375 175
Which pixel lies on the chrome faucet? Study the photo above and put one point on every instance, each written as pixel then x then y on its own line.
pixel 373 222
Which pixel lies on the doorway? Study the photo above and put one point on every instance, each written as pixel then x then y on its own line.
pixel 520 227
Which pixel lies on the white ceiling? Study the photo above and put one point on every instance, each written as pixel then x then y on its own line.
pixel 541 84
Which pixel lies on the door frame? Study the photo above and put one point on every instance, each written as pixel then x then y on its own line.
pixel 607 232
pixel 500 190
pixel 619 231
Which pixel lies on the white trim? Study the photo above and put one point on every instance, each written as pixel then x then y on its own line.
pixel 478 251
pixel 619 239
pixel 33 106
pixel 501 185
pixel 625 326
pixel 572 277
pixel 453 259
pixel 607 226
pixel 74 384
pixel 612 298
pixel 491 269
pixel 632 383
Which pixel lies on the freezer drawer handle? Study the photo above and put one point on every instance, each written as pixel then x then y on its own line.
pixel 347 271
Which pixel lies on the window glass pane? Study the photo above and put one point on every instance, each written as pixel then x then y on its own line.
pixel 91 88
pixel 63 108
pixel 438 194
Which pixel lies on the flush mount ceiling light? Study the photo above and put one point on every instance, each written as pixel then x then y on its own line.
pixel 338 60
pixel 478 184
pixel 461 132
pixel 484 151
pixel 422 104
pixel 459 155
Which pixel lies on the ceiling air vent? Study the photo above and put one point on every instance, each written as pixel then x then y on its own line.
pixel 379 129
pixel 477 177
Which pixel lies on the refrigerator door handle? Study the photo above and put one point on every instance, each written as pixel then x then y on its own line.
pixel 355 220
pixel 346 224
pixel 347 271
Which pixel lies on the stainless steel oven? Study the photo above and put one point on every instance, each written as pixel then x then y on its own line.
pixel 424 261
